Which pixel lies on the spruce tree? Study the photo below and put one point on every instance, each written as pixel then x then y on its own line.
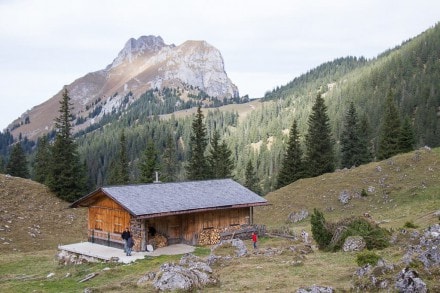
pixel 148 163
pixel 119 172
pixel 42 160
pixel 354 146
pixel 219 158
pixel 390 131
pixel 251 179
pixel 17 165
pixel 292 166
pixel 366 148
pixel 67 177
pixel 319 157
pixel 169 161
pixel 406 137
pixel 197 167
pixel 2 165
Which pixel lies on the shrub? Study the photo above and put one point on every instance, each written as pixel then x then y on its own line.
pixel 320 234
pixel 410 224
pixel 367 257
pixel 364 193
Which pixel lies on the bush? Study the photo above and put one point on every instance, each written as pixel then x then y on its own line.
pixel 364 193
pixel 367 257
pixel 320 234
pixel 410 225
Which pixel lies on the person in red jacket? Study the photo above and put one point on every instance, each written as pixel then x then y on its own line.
pixel 254 239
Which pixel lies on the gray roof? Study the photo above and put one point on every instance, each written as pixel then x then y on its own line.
pixel 176 197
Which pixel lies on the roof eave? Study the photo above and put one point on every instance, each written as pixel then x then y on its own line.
pixel 172 213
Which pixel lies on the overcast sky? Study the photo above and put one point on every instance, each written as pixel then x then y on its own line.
pixel 49 43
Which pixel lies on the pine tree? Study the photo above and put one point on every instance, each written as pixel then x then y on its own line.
pixel 148 164
pixel 366 147
pixel 197 168
pixel 169 161
pixel 251 179
pixel 219 158
pixel 353 144
pixel 292 166
pixel 119 173
pixel 67 177
pixel 42 160
pixel 319 231
pixel 2 165
pixel 319 157
pixel 17 165
pixel 406 137
pixel 390 131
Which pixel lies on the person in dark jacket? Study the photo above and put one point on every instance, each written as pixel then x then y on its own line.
pixel 125 235
pixel 130 244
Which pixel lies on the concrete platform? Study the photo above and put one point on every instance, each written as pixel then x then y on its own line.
pixel 106 253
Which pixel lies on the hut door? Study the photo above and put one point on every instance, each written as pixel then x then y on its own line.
pixel 174 230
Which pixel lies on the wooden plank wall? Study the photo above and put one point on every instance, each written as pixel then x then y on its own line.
pixel 187 227
pixel 106 215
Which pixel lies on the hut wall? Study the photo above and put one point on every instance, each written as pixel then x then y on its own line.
pixel 185 228
pixel 108 218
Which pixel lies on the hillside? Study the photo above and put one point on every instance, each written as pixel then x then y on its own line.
pixel 406 189
pixel 34 219
pixel 403 188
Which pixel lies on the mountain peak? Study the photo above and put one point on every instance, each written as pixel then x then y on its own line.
pixel 134 48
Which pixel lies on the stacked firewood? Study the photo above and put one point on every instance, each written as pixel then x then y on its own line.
pixel 209 236
pixel 158 241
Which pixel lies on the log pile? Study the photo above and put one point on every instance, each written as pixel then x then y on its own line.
pixel 209 236
pixel 158 241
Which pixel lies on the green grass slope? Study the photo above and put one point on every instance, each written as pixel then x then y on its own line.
pixel 403 188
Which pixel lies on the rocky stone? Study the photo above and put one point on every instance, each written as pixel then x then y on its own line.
pixel 408 281
pixel 424 247
pixel 354 243
pixel 190 274
pixel 372 278
pixel 344 197
pixel 316 289
pixel 240 250
pixel 295 217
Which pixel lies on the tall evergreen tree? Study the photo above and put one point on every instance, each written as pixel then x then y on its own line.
pixel 67 176
pixel 219 158
pixel 169 161
pixel 251 179
pixel 366 147
pixel 42 160
pixel 354 140
pixel 406 137
pixel 390 131
pixel 2 165
pixel 197 168
pixel 119 172
pixel 148 163
pixel 319 157
pixel 17 165
pixel 292 166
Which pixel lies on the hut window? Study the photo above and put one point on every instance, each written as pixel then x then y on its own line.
pixel 117 225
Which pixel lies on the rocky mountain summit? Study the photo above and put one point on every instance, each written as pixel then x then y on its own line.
pixel 143 64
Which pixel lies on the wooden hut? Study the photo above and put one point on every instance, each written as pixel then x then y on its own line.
pixel 179 211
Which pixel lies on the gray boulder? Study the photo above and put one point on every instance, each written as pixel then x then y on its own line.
pixel 190 274
pixel 295 217
pixel 354 243
pixel 344 197
pixel 315 289
pixel 408 281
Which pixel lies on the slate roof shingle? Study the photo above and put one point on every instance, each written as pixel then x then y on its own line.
pixel 156 198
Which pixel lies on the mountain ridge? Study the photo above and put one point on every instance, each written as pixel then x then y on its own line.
pixel 144 63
